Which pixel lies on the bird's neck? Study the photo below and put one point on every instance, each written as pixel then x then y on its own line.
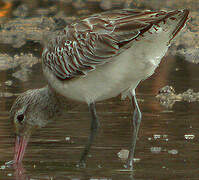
pixel 58 99
pixel 52 108
pixel 53 105
pixel 59 102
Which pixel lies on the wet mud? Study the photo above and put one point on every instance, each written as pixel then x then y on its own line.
pixel 168 139
pixel 167 96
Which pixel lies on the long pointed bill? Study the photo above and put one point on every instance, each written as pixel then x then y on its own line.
pixel 20 147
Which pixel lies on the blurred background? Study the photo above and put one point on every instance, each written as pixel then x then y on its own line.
pixel 168 139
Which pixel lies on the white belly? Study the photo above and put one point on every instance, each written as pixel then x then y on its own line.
pixel 123 73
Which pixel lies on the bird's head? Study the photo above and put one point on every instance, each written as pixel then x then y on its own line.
pixel 30 111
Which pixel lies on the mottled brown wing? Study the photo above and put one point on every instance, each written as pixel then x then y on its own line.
pixel 94 40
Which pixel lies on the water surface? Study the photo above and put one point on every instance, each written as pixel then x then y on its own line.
pixel 163 148
pixel 167 147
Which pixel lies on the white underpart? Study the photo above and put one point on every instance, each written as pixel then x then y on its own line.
pixel 121 75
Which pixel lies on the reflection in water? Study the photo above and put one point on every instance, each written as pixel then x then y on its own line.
pixel 167 145
pixel 34 108
pixel 19 172
pixel 163 133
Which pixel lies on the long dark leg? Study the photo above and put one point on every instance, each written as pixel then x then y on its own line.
pixel 93 132
pixel 137 117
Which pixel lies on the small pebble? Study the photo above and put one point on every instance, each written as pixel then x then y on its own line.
pixel 123 154
pixel 156 136
pixel 67 138
pixel 3 167
pixel 89 155
pixel 156 150
pixel 99 166
pixel 173 151
pixel 136 159
pixel 189 136
pixel 8 83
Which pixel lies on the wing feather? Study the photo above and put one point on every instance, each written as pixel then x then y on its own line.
pixel 95 40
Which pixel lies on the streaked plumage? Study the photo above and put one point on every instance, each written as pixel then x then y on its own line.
pixel 94 59
pixel 101 43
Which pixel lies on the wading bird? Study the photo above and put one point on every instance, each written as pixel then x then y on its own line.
pixel 94 59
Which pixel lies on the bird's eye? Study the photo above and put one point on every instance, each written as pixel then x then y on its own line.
pixel 20 118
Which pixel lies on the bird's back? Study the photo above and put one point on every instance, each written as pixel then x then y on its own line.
pixel 109 53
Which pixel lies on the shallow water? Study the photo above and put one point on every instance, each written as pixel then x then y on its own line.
pixel 163 151
pixel 167 147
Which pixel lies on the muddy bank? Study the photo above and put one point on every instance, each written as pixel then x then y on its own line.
pixel 36 21
pixel 167 96
pixel 22 63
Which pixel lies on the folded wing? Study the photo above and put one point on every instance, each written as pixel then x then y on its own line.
pixel 95 40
